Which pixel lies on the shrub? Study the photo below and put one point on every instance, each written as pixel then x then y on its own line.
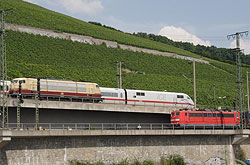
pixel 174 159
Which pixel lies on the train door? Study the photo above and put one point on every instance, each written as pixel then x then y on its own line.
pixel 179 101
pixel 121 96
pixel 186 118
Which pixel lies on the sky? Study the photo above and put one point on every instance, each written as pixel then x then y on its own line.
pixel 204 22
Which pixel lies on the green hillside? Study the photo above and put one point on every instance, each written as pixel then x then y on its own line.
pixel 25 13
pixel 38 56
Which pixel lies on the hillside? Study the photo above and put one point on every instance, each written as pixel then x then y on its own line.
pixel 38 56
pixel 25 13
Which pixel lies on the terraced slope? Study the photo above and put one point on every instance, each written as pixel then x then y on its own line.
pixel 25 13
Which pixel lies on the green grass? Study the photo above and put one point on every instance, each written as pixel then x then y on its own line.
pixel 25 13
pixel 38 56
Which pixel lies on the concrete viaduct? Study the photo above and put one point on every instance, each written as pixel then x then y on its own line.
pixel 59 146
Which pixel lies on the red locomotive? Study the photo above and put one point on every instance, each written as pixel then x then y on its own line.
pixel 205 118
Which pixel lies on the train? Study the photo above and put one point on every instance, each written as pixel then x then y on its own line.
pixel 148 98
pixel 91 92
pixel 53 88
pixel 210 118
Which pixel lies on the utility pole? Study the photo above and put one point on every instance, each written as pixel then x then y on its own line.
pixel 19 102
pixel 3 72
pixel 239 78
pixel 214 92
pixel 37 99
pixel 194 84
pixel 119 74
pixel 248 93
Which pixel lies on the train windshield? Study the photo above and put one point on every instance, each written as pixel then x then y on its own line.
pixel 14 81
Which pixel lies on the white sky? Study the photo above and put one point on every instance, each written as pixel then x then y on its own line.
pixel 197 21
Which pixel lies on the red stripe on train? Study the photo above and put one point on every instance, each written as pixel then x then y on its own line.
pixel 148 101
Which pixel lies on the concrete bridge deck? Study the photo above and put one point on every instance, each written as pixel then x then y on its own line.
pixel 67 105
pixel 44 133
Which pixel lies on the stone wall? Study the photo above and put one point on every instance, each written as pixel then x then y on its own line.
pixel 59 150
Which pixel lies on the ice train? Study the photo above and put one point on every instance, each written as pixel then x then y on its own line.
pixel 143 97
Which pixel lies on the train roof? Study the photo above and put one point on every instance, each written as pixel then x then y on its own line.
pixel 143 91
pixel 212 111
pixel 52 79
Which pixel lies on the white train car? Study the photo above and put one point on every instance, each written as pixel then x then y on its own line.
pixel 4 87
pixel 142 97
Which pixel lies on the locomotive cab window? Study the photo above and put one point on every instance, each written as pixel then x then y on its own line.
pixel 180 96
pixel 177 114
pixel 14 81
pixel 22 81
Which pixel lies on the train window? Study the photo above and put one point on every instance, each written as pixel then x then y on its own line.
pixel 205 115
pixel 61 88
pixel 97 86
pixel 81 85
pixel 52 88
pixel 61 84
pixel 22 81
pixel 43 83
pixel 195 114
pixel 72 89
pixel 186 114
pixel 177 113
pixel 188 97
pixel 209 115
pixel 172 114
pixel 214 115
pixel 140 94
pixel 81 89
pixel 71 85
pixel 121 95
pixel 14 81
pixel 43 87
pixel 109 94
pixel 228 115
pixel 50 83
pixel 219 115
pixel 180 96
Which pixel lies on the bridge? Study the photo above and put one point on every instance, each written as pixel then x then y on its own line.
pixel 110 133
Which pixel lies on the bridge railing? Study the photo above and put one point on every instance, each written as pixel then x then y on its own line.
pixel 112 126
